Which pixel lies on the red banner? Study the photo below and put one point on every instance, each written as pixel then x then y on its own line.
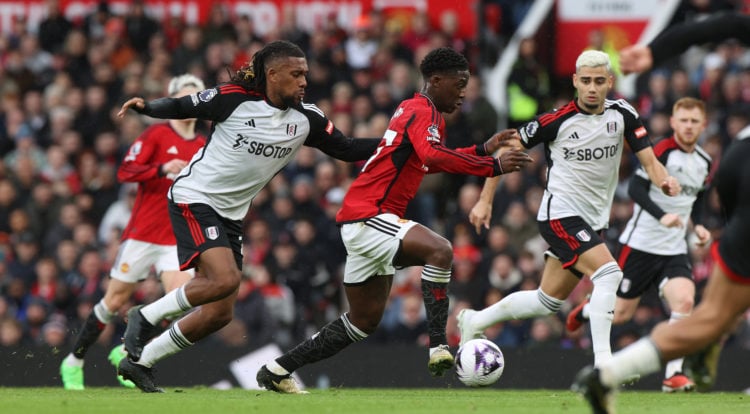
pixel 266 15
pixel 607 25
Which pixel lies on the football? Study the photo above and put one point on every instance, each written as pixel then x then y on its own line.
pixel 479 363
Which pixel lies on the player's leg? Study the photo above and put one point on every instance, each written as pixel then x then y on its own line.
pixel 134 259
pixel 167 267
pixel 371 248
pixel 207 319
pixel 212 245
pixel 423 247
pixel 638 269
pixel 71 369
pixel 679 294
pixel 722 302
pixel 568 238
pixel 556 285
pixel 172 279
pixel 367 302
pixel 624 310
pixel 605 275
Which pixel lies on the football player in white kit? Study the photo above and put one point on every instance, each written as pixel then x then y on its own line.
pixel 727 294
pixel 654 249
pixel 583 141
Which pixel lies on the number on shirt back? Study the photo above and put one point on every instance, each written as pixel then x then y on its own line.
pixel 388 138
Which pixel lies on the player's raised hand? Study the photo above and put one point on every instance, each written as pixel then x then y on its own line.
pixel 131 103
pixel 512 160
pixel 508 138
pixel 670 186
pixel 636 59
pixel 480 215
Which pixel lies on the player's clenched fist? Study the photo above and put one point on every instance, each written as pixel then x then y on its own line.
pixel 513 160
pixel 670 186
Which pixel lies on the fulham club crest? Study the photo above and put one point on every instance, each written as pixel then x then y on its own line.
pixel 212 232
pixel 583 236
pixel 291 129
pixel 611 128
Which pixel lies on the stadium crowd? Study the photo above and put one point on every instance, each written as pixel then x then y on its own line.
pixel 62 209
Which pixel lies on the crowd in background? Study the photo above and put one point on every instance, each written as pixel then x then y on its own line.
pixel 62 209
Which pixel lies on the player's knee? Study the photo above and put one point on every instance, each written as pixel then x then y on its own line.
pixel 682 304
pixel 227 284
pixel 367 322
pixel 442 254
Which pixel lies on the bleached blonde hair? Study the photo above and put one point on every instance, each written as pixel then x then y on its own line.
pixel 182 81
pixel 593 59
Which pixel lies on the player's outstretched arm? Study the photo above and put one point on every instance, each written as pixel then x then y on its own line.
pixel 657 173
pixel 676 39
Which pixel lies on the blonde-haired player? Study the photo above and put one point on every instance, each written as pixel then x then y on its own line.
pixel 584 142
pixel 654 250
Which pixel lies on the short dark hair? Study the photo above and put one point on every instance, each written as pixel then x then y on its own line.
pixel 442 60
pixel 252 75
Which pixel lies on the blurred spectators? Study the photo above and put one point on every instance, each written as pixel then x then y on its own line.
pixel 62 210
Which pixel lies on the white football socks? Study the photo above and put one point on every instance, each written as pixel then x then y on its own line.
pixel 168 343
pixel 103 313
pixel 640 358
pixel 606 279
pixel 518 305
pixel 171 304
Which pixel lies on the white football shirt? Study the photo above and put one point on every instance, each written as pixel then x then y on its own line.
pixel 249 143
pixel 643 231
pixel 583 158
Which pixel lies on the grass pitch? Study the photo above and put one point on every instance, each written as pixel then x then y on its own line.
pixel 353 401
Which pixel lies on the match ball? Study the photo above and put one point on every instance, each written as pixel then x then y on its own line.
pixel 479 363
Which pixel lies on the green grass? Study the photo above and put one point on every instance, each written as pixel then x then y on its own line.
pixel 353 401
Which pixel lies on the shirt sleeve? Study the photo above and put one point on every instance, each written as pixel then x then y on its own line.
pixel 215 104
pixel 327 138
pixel 533 133
pixel 638 190
pixel 635 133
pixel 424 134
pixel 678 38
pixel 138 165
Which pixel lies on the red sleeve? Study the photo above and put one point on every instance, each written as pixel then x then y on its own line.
pixel 426 132
pixel 138 164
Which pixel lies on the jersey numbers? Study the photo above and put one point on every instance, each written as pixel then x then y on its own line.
pixel 387 140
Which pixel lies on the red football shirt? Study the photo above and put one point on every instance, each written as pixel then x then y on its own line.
pixel 160 143
pixel 411 147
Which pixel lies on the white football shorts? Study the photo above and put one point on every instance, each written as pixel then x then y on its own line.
pixel 372 245
pixel 135 258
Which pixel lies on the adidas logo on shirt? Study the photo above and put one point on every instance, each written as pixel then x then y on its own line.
pixel 172 150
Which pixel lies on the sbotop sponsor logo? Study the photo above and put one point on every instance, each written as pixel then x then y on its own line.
pixel 589 154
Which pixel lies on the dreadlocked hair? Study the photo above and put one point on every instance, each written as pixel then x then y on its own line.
pixel 252 75
pixel 442 60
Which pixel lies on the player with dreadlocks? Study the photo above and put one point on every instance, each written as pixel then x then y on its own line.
pixel 259 124
pixel 377 237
